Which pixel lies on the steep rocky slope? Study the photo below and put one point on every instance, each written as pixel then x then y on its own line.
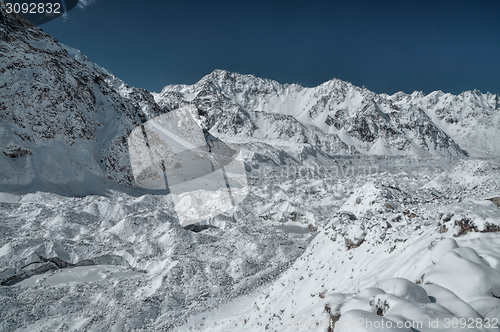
pixel 62 118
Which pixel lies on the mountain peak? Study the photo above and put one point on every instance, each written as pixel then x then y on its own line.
pixel 336 115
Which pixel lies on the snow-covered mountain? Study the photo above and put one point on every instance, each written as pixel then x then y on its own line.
pixel 63 119
pixel 340 118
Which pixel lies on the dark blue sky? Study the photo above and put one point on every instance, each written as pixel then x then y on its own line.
pixel 387 46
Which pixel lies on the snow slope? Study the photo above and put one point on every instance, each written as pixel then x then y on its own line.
pixel 397 264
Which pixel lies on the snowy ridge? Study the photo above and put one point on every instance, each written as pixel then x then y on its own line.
pixel 349 118
pixel 392 253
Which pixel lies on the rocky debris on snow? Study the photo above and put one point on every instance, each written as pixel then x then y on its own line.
pixel 15 151
pixel 470 215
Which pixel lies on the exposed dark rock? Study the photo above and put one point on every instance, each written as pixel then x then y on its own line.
pixel 198 228
pixel 495 200
pixel 352 244
pixel 14 151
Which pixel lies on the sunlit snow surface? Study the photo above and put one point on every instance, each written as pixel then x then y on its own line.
pixel 379 243
pixel 413 264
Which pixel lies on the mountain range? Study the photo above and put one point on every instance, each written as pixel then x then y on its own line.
pixel 66 120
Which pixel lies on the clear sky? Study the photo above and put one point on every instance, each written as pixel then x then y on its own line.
pixel 387 46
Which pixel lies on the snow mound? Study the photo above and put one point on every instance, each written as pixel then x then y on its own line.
pixel 405 289
pixel 453 288
pixel 468 279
